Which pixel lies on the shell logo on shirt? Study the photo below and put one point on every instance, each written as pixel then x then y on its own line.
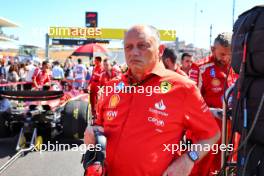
pixel 215 82
pixel 114 100
pixel 165 86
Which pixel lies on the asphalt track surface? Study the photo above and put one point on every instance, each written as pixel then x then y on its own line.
pixel 55 163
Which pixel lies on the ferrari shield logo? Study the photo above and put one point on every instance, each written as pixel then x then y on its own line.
pixel 165 86
pixel 114 100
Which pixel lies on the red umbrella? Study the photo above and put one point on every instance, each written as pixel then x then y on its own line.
pixel 89 49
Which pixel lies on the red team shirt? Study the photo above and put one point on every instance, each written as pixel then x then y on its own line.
pixel 96 74
pixel 105 77
pixel 137 126
pixel 94 83
pixel 210 79
pixel 42 77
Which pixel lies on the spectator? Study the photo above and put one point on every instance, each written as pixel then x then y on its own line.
pixel 57 71
pixel 22 72
pixel 3 71
pixel 13 75
pixel 79 74
pixel 68 71
pixel 30 71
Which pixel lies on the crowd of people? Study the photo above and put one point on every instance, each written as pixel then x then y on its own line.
pixel 34 75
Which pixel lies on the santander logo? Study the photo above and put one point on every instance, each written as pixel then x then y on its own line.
pixel 160 105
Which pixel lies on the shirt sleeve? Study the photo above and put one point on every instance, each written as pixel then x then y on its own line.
pixel 198 118
pixel 35 73
pixel 99 120
pixel 101 79
pixel 194 73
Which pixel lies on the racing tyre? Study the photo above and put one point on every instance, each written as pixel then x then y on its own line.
pixel 75 119
pixel 4 131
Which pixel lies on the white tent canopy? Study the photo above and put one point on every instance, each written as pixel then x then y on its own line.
pixel 7 23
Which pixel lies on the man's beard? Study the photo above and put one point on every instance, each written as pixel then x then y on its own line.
pixel 221 63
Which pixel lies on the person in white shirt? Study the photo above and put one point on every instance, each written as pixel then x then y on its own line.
pixel 30 71
pixel 57 71
pixel 22 72
pixel 79 73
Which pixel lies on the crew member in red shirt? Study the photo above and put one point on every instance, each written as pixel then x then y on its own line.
pixel 138 126
pixel 210 76
pixel 94 83
pixel 41 76
pixel 186 62
pixel 109 73
pixel 169 60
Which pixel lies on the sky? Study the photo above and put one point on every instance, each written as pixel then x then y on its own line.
pixel 190 18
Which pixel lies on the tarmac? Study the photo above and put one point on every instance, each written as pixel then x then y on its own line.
pixel 47 163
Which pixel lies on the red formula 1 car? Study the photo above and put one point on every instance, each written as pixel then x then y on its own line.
pixel 48 113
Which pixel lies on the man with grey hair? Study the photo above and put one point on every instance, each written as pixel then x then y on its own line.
pixel 143 132
pixel 210 76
